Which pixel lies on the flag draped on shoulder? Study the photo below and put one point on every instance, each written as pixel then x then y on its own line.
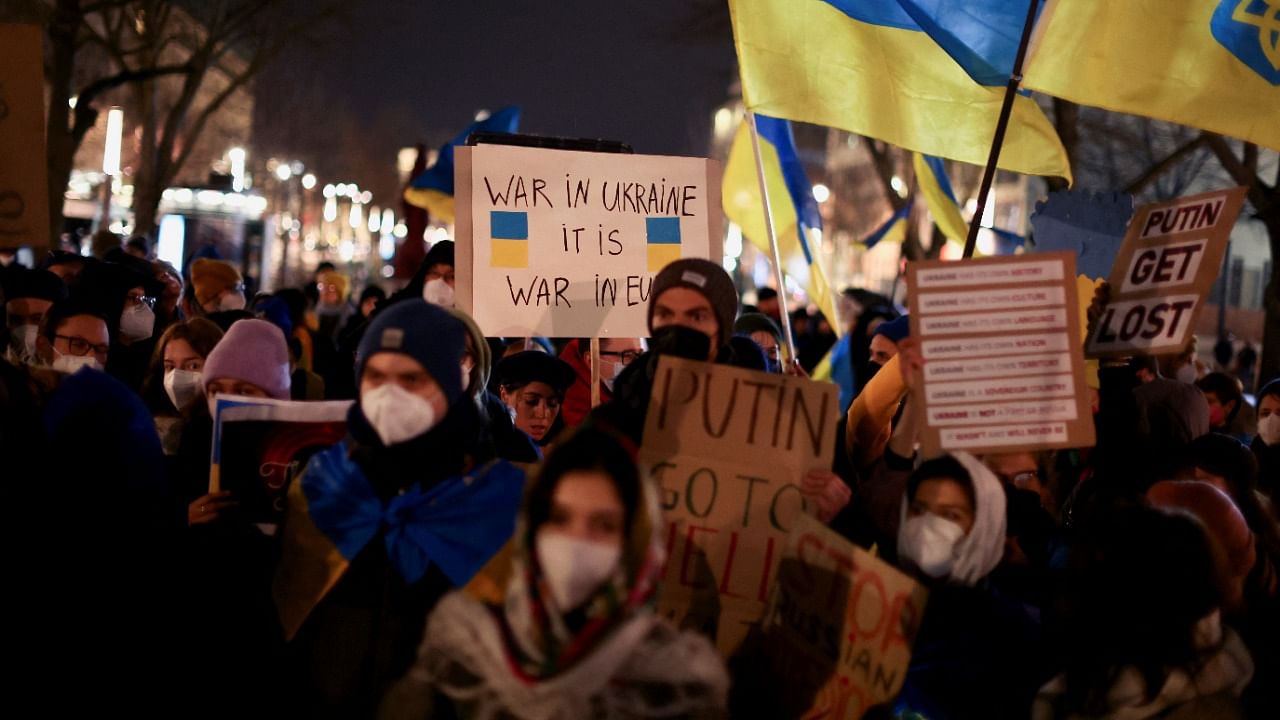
pixel 795 212
pixel 1211 64
pixel 433 189
pixel 868 67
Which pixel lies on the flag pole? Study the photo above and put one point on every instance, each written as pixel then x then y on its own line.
pixel 773 240
pixel 1002 125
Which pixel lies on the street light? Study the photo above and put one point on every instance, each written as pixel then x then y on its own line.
pixel 308 181
pixel 111 160
pixel 821 193
pixel 237 156
pixel 329 191
pixel 283 172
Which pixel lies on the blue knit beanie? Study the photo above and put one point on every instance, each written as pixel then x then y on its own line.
pixel 424 332
pixel 895 329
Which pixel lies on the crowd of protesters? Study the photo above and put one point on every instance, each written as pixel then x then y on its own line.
pixel 1134 579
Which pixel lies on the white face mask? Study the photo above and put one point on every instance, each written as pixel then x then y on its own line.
pixel 1269 429
pixel 231 301
pixel 397 414
pixel 71 363
pixel 617 370
pixel 438 292
pixel 929 542
pixel 574 568
pixel 1186 374
pixel 22 340
pixel 183 387
pixel 137 323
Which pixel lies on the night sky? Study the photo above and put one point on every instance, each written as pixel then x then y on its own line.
pixel 648 73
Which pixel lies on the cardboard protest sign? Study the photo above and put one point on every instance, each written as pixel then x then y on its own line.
pixel 564 243
pixel 1001 343
pixel 839 626
pixel 24 189
pixel 1167 265
pixel 260 445
pixel 728 448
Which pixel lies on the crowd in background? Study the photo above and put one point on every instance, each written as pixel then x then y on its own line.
pixel 1133 579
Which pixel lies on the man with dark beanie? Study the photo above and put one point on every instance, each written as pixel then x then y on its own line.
pixel 691 312
pixel 381 525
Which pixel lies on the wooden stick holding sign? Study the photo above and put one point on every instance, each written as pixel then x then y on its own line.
pixel 1162 274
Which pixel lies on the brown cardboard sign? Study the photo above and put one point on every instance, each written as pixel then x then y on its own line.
pixel 1164 270
pixel 1003 369
pixel 840 625
pixel 728 448
pixel 24 189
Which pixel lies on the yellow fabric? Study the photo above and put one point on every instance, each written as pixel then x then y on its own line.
pixel 944 211
pixel 1158 58
pixel 740 195
pixel 439 204
pixel 309 566
pixel 1085 289
pixel 332 277
pixel 870 419
pixel 210 277
pixel 805 60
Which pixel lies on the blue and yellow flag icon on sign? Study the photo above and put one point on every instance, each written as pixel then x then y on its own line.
pixel 508 239
pixel 662 238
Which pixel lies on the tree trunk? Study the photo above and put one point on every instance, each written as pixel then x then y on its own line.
pixel 60 146
pixel 146 194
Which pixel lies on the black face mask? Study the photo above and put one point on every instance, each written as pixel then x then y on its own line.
pixel 682 342
pixel 873 367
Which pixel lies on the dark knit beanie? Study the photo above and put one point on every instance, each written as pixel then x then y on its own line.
pixel 894 330
pixel 424 332
pixel 440 254
pixel 756 322
pixel 707 278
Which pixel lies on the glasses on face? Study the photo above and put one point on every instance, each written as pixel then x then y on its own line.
pixel 142 300
pixel 80 346
pixel 1020 479
pixel 625 357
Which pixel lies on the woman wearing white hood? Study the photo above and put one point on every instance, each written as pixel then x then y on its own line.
pixel 573 634
pixel 977 653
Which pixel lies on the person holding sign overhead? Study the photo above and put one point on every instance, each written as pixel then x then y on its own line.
pixel 573 634
pixel 532 385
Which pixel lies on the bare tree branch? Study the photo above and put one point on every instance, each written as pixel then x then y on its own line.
pixel 1238 171
pixel 1139 183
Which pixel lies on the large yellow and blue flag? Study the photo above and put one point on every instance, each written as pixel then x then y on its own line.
pixel 796 220
pixel 1211 64
pixel 868 67
pixel 893 230
pixel 433 189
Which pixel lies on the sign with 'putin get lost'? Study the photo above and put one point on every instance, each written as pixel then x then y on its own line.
pixel 1166 267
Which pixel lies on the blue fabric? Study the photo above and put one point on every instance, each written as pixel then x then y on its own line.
pixel 878 234
pixel 940 175
pixel 778 134
pixel 889 13
pixel 842 372
pixel 982 36
pixel 458 524
pixel 440 175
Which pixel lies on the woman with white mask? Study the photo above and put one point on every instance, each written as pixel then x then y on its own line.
pixel 571 631
pixel 1266 444
pixel 174 384
pixel 978 652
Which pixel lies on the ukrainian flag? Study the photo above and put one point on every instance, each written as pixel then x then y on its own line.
pixel 931 177
pixel 795 212
pixel 433 189
pixel 867 67
pixel 1211 64
pixel 892 230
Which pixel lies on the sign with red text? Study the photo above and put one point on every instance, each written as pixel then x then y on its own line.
pixel 728 448
pixel 1166 267
pixel 563 243
pixel 840 625
pixel 24 191
pixel 1003 366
